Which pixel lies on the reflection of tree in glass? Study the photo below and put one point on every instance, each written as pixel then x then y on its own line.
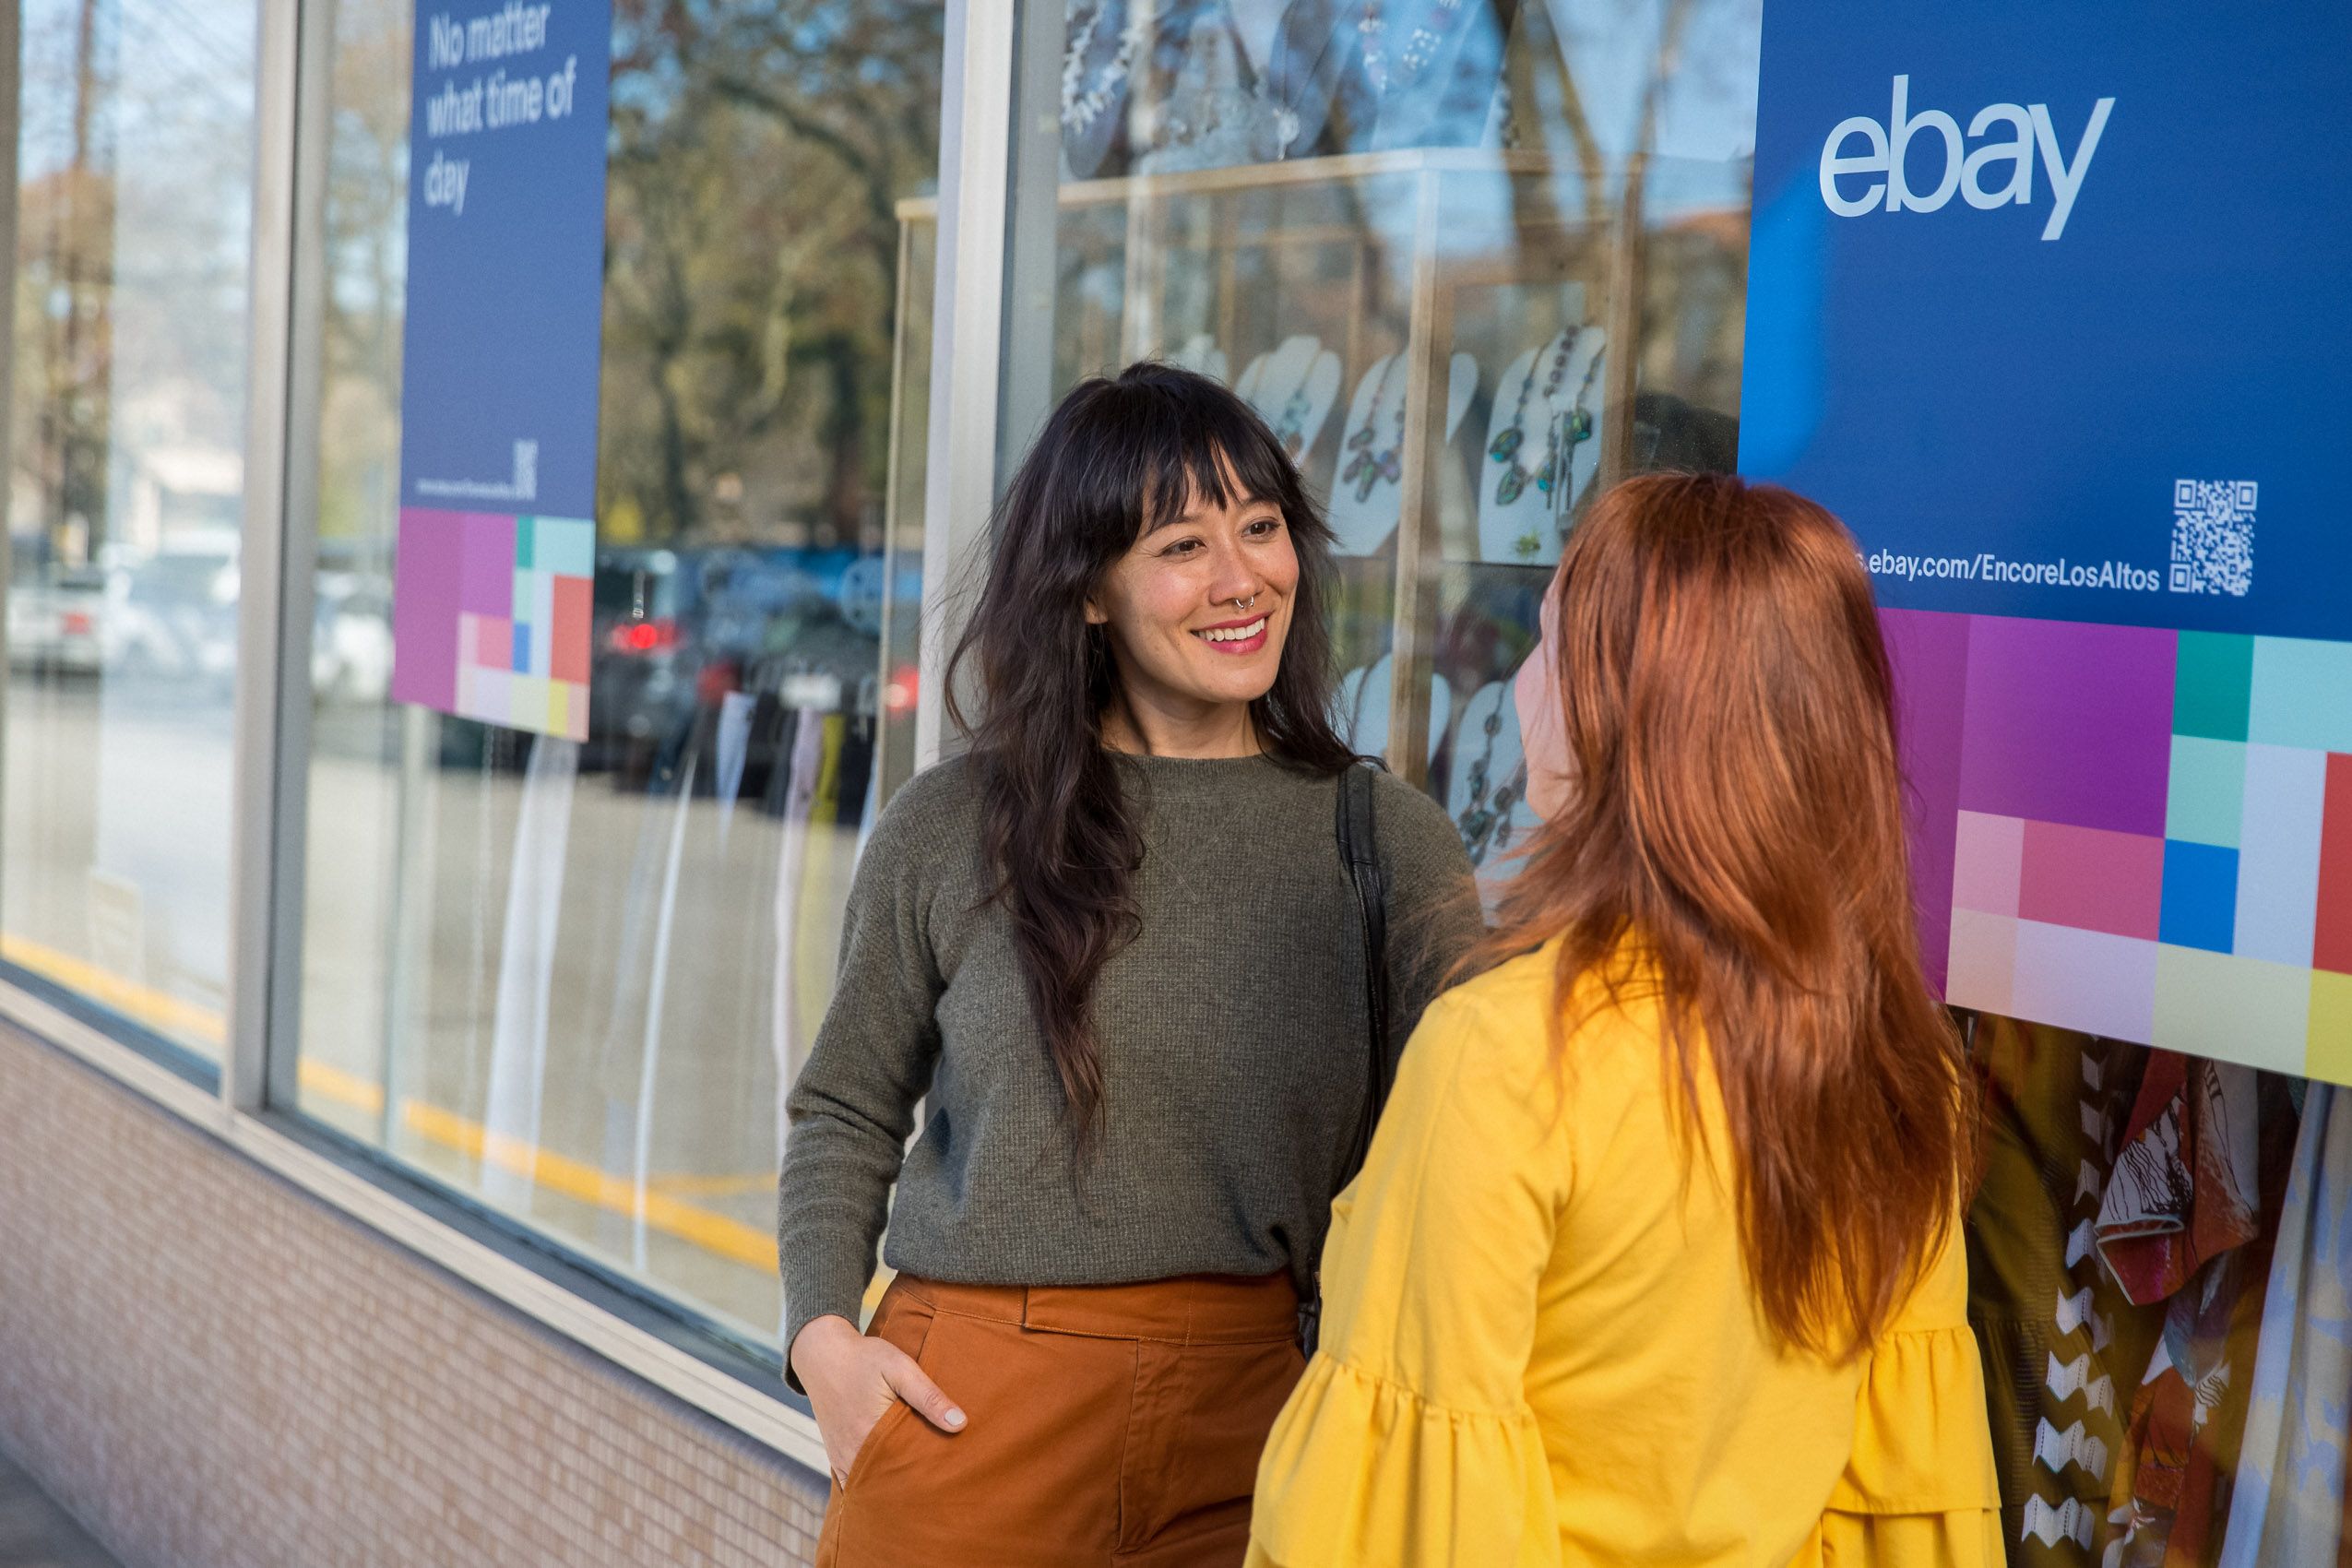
pixel 135 166
pixel 1626 90
pixel 366 257
pixel 758 151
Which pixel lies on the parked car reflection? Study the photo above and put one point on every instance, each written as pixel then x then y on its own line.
pixel 171 618
pixel 350 640
pixel 56 619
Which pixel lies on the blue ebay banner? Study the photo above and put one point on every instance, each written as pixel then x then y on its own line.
pixel 2050 303
pixel 506 146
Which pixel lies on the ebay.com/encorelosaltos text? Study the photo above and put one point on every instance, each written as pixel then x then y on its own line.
pixel 2119 576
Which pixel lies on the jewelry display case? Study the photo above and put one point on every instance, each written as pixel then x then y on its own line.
pixel 1435 334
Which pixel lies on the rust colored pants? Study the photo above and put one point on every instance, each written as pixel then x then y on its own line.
pixel 1110 1424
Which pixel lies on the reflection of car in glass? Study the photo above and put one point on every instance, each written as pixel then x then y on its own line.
pixel 56 619
pixel 641 686
pixel 172 616
pixel 350 657
pixel 676 631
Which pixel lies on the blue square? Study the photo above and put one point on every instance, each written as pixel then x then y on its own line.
pixel 522 659
pixel 2199 894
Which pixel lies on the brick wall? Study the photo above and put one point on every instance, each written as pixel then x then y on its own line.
pixel 209 1367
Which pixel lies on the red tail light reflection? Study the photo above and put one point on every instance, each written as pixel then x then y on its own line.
pixel 644 636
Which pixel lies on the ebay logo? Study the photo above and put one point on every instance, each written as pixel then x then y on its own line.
pixel 1986 167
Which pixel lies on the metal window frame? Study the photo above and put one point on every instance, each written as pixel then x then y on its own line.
pixel 252 1111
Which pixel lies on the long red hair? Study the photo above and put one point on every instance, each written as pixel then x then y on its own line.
pixel 1734 817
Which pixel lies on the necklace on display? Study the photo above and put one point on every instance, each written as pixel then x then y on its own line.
pixel 1291 423
pixel 1485 827
pixel 1504 449
pixel 1562 434
pixel 1291 428
pixel 1080 110
pixel 1367 468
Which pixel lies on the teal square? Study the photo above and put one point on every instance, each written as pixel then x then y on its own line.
pixel 523 543
pixel 2213 676
pixel 2204 800
pixel 2302 694
pixel 565 546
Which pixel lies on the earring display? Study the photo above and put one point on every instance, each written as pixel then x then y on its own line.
pixel 1544 408
pixel 1294 389
pixel 1441 86
pixel 1189 85
pixel 1368 497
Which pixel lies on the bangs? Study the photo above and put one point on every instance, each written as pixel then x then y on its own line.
pixel 1171 443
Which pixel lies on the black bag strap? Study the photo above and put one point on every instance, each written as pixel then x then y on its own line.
pixel 1360 853
pixel 1360 856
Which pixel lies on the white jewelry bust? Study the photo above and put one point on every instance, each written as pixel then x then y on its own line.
pixel 1522 523
pixel 1363 516
pixel 1363 709
pixel 1294 389
pixel 1503 756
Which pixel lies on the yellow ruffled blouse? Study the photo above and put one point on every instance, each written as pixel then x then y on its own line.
pixel 1540 1348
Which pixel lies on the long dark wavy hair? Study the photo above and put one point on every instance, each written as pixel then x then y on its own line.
pixel 1117 454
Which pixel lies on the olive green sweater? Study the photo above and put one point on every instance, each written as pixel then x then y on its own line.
pixel 1232 1032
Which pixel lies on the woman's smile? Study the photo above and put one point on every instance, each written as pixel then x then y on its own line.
pixel 1234 637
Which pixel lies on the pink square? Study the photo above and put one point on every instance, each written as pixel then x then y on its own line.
pixel 1984 961
pixel 2092 879
pixel 494 641
pixel 1987 860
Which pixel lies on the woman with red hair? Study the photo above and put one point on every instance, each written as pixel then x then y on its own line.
pixel 1656 1259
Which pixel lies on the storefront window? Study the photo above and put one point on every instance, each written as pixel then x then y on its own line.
pixel 574 977
pixel 1475 262
pixel 1472 262
pixel 135 182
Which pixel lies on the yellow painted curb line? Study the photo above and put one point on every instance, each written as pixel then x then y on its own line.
pixel 715 1233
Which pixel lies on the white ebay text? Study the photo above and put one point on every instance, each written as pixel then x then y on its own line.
pixel 1996 171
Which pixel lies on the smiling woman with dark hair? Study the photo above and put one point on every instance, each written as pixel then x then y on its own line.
pixel 1115 948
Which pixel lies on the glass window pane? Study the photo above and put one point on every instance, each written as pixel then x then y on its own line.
pixel 1473 261
pixel 574 978
pixel 134 172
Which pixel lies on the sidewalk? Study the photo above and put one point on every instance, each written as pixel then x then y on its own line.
pixel 36 1533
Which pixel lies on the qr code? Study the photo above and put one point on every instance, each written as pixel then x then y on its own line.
pixel 2212 536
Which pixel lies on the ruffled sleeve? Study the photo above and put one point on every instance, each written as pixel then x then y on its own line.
pixel 1409 1443
pixel 1920 1490
pixel 1361 1471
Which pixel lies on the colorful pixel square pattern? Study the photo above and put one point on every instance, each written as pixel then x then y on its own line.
pixel 2140 833
pixel 490 616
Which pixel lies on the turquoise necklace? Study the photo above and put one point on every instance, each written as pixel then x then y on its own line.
pixel 1368 467
pixel 1504 449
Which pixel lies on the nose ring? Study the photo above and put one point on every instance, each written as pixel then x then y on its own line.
pixel 1243 604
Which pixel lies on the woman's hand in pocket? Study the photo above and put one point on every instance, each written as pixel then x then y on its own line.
pixel 853 1379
